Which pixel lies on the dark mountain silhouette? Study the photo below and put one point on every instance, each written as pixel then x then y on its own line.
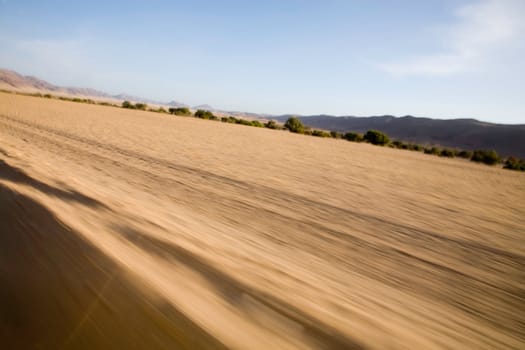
pixel 466 134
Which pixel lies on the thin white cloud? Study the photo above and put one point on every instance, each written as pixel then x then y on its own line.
pixel 481 31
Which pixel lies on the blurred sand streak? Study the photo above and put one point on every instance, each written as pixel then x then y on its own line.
pixel 129 229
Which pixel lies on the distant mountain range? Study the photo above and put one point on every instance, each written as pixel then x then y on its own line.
pixel 466 134
pixel 455 133
pixel 11 80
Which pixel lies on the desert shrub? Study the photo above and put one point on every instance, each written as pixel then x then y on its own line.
pixel 48 96
pixel 204 114
pixel 432 150
pixel 465 154
pixel 445 152
pixel 271 124
pixel 141 106
pixel 336 134
pixel 320 133
pixel 160 110
pixel 489 157
pixel 257 124
pixel 185 111
pixel 127 104
pixel 243 121
pixel 294 124
pixel 376 137
pixel 513 163
pixel 415 147
pixel 397 144
pixel 352 136
pixel 106 104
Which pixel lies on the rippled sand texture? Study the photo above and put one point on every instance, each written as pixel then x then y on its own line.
pixel 136 230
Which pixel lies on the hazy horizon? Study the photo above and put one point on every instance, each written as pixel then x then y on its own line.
pixel 438 59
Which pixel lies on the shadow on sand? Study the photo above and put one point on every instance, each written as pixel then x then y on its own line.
pixel 10 173
pixel 57 291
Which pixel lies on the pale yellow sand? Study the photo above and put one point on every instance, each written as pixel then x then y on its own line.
pixel 154 231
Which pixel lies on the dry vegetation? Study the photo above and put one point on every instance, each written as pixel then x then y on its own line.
pixel 129 229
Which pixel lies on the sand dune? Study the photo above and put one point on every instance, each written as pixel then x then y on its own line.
pixel 129 229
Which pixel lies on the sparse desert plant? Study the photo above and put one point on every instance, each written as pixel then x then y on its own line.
pixel 513 163
pixel 432 150
pixel 397 143
pixel 352 136
pixel 376 137
pixel 489 157
pixel 243 121
pixel 202 114
pixel 184 111
pixel 320 133
pixel 294 124
pixel 271 124
pixel 465 154
pixel 127 104
pixel 415 147
pixel 445 152
pixel 141 106
pixel 257 124
pixel 336 134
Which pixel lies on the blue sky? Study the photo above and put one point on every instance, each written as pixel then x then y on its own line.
pixel 432 58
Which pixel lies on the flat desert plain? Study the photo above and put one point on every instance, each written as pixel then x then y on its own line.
pixel 126 229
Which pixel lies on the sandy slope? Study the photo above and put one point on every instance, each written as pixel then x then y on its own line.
pixel 138 230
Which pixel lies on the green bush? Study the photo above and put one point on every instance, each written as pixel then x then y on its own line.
pixel 397 144
pixel 257 124
pixel 320 133
pixel 376 137
pixel 336 134
pixel 465 154
pixel 184 111
pixel 489 157
pixel 447 153
pixel 272 124
pixel 432 150
pixel 352 136
pixel 513 163
pixel 243 121
pixel 141 106
pixel 204 114
pixel 294 124
pixel 127 104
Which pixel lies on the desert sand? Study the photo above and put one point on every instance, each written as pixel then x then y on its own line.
pixel 137 230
